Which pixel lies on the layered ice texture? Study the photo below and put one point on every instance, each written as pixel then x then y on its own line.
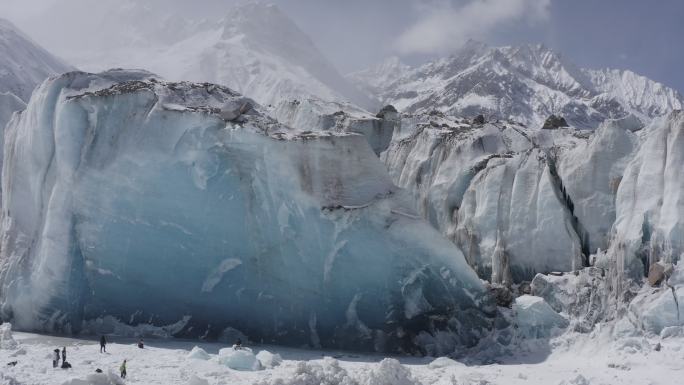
pixel 492 189
pixel 148 201
pixel 520 201
pixel 318 115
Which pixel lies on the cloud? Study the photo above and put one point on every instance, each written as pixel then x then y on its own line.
pixel 444 26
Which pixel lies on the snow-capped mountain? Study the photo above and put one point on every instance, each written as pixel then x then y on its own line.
pixel 526 83
pixel 253 48
pixel 23 65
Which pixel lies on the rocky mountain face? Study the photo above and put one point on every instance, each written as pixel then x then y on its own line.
pixel 526 83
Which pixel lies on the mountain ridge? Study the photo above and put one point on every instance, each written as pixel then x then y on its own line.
pixel 526 83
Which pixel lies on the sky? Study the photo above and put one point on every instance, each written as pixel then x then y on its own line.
pixel 643 36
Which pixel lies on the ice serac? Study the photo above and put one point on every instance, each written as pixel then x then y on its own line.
pixel 649 205
pixel 124 193
pixel 592 172
pixel 492 189
pixel 526 83
pixel 318 115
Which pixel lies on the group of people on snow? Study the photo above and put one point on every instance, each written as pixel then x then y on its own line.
pixel 103 349
pixel 56 357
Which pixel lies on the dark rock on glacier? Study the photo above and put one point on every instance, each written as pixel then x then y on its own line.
pixel 554 122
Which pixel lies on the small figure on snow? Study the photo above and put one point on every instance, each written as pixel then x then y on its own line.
pixel 123 369
pixel 141 344
pixel 55 358
pixel 238 344
pixel 64 354
pixel 103 344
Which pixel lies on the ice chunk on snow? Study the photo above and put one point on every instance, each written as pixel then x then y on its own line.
pixel 268 359
pixel 672 331
pixel 239 359
pixel 108 378
pixel 578 380
pixel 535 318
pixel 194 380
pixel 7 342
pixel 389 372
pixel 657 309
pixel 328 372
pixel 198 354
pixel 443 362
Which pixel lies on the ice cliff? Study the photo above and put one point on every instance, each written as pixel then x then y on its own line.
pixel 154 202
pixel 492 189
pixel 521 201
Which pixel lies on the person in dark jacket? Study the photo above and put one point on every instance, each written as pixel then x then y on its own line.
pixel 103 344
pixel 238 344
pixel 55 358
pixel 64 354
pixel 141 344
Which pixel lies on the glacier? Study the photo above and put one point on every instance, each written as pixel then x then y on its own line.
pixel 148 201
pixel 318 115
pixel 519 200
pixel 491 189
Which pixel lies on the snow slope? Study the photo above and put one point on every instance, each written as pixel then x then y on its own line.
pixel 525 83
pixel 253 48
pixel 119 184
pixel 23 64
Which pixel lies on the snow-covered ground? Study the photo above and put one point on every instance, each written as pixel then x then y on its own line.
pixel 576 359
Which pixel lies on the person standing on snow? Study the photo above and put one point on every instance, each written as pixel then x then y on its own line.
pixel 64 354
pixel 103 344
pixel 55 358
pixel 123 369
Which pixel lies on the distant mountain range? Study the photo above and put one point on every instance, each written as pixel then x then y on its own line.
pixel 526 83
